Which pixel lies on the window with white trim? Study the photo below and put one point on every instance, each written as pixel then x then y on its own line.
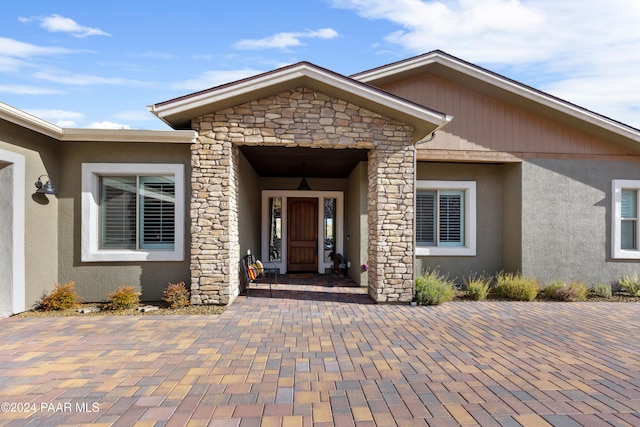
pixel 132 212
pixel 625 242
pixel 446 218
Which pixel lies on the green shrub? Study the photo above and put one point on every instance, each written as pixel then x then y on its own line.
pixel 62 297
pixel 176 295
pixel 561 291
pixel 123 298
pixel 516 287
pixel 601 290
pixel 477 287
pixel 433 288
pixel 630 284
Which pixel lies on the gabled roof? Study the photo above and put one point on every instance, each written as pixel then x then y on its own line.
pixel 178 112
pixel 484 81
pixel 51 130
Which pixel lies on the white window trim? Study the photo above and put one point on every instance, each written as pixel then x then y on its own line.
pixel 469 188
pixel 616 218
pixel 91 173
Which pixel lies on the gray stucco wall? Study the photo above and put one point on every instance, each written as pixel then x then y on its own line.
pixel 512 217
pixel 357 223
pixel 489 188
pixel 40 211
pixel 566 219
pixel 249 208
pixel 95 280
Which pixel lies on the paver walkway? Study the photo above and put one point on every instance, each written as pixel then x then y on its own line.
pixel 328 356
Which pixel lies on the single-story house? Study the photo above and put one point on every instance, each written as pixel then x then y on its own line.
pixel 427 162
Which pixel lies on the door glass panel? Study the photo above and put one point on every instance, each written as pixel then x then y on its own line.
pixel 329 225
pixel 275 229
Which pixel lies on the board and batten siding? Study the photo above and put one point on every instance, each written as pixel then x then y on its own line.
pixel 483 123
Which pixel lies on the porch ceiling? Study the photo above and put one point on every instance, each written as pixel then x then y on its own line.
pixel 303 162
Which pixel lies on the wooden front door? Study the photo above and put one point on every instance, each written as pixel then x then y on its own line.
pixel 302 234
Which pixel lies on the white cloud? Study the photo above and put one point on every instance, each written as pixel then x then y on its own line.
pixel 16 89
pixel 213 78
pixel 66 78
pixel 56 23
pixel 17 49
pixel 285 40
pixel 107 125
pixel 61 118
pixel 585 52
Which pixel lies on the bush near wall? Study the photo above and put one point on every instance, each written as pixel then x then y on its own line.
pixel 477 287
pixel 62 297
pixel 630 284
pixel 516 287
pixel 432 288
pixel 176 295
pixel 125 297
pixel 562 291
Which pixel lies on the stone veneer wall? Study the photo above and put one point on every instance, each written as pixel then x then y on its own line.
pixel 300 118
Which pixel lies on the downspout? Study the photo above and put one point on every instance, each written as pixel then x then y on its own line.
pixel 415 202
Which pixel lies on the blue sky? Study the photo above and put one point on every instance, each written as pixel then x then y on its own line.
pixel 99 64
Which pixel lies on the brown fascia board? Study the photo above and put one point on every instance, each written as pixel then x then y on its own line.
pixel 178 112
pixel 505 89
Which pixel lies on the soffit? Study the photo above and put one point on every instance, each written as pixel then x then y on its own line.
pixel 302 162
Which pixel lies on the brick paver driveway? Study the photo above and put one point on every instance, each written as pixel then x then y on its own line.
pixel 315 358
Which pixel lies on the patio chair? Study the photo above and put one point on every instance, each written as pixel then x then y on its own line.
pixel 256 273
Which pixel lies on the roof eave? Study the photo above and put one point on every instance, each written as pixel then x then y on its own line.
pixel 29 121
pixel 412 66
pixel 128 135
pixel 179 111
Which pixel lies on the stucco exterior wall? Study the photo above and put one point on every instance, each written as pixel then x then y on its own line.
pixel 95 280
pixel 249 207
pixel 40 211
pixel 512 217
pixel 566 219
pixel 356 219
pixel 489 183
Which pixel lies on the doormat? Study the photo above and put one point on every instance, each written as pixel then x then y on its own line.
pixel 301 275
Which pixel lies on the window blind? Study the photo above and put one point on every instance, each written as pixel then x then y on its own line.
pixel 426 218
pixel 629 219
pixel 157 212
pixel 451 217
pixel 118 219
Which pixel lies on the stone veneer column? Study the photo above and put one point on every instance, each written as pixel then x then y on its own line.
pixel 299 118
pixel 215 248
pixel 391 217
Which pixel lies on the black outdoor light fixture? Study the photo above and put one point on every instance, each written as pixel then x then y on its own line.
pixel 46 188
pixel 303 185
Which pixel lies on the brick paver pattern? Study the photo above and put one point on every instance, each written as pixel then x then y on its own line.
pixel 328 356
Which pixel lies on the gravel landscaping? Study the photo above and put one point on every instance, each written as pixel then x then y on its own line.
pixel 209 309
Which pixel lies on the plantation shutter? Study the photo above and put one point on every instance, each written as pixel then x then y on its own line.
pixel 426 218
pixel 157 212
pixel 118 213
pixel 629 217
pixel 451 218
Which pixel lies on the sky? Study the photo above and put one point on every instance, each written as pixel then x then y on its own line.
pixel 100 64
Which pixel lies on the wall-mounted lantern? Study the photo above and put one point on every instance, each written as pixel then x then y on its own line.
pixel 46 188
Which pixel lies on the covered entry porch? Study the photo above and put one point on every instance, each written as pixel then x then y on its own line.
pixel 259 137
pixel 305 209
